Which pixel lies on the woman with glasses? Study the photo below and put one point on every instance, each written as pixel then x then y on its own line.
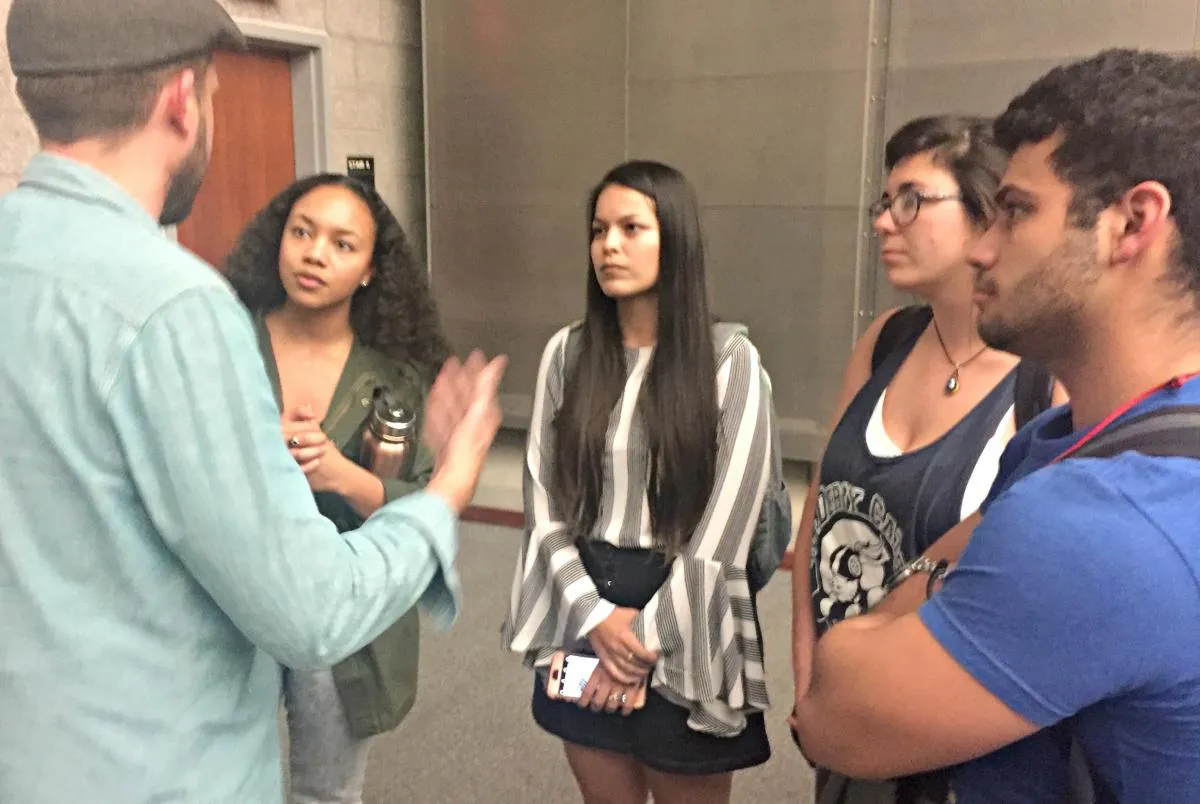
pixel 924 412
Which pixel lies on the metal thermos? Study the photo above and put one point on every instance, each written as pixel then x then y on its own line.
pixel 388 439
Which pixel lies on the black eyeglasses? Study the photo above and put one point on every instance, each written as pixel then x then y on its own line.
pixel 906 204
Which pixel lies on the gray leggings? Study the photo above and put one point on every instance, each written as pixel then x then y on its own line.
pixel 328 765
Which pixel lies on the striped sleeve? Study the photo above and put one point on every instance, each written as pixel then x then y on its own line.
pixel 554 601
pixel 702 620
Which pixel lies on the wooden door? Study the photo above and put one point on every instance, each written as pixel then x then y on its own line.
pixel 254 154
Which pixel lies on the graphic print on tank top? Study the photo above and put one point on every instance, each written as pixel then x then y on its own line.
pixel 874 515
pixel 859 546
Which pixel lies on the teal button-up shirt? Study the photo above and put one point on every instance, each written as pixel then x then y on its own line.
pixel 160 551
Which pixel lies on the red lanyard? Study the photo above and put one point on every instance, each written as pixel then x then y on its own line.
pixel 1173 384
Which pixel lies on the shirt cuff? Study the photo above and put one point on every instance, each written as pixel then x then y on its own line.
pixel 442 598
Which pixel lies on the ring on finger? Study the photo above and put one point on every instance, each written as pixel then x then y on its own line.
pixel 624 698
pixel 294 442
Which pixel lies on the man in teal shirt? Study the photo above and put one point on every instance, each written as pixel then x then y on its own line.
pixel 160 550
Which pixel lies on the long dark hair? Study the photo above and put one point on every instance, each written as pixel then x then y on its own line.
pixel 395 314
pixel 678 403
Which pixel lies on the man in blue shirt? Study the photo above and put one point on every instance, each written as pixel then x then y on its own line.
pixel 1077 595
pixel 160 551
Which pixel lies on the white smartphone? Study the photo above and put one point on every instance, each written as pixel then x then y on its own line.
pixel 569 675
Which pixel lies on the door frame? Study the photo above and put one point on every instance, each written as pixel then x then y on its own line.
pixel 312 96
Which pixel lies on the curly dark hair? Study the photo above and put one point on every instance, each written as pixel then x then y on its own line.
pixel 395 315
pixel 1125 116
pixel 964 146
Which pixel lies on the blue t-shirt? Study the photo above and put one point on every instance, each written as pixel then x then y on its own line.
pixel 1078 596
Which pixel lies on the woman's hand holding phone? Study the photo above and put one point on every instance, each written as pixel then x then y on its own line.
pixel 603 693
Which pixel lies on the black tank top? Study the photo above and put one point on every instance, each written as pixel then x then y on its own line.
pixel 874 515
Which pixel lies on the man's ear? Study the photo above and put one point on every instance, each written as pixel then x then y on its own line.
pixel 1141 219
pixel 175 101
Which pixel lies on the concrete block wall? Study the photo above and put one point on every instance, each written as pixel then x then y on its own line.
pixel 375 72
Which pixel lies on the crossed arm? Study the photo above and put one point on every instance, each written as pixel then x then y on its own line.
pixel 879 696
pixel 887 700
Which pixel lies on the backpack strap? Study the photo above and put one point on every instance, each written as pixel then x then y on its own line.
pixel 899 327
pixel 571 348
pixel 1165 432
pixel 722 331
pixel 1033 391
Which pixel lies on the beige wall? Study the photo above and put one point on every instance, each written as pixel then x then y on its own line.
pixel 375 71
pixel 762 109
pixel 776 111
pixel 971 57
pixel 17 142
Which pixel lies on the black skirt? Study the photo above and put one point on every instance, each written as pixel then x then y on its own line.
pixel 656 735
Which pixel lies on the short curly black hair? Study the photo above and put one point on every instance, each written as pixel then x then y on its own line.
pixel 395 315
pixel 1124 116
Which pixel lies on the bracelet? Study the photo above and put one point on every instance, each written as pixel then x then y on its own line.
pixel 936 574
pixel 919 564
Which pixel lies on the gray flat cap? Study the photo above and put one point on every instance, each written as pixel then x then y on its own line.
pixel 57 37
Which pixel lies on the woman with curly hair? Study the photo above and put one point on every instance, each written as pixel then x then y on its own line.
pixel 341 308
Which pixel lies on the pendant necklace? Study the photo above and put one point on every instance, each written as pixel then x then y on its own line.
pixel 954 383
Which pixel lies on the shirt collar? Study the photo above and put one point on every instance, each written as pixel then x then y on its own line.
pixel 65 176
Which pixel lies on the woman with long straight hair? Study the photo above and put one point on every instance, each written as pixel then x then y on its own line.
pixel 342 308
pixel 647 461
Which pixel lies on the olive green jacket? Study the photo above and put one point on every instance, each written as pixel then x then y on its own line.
pixel 377 685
